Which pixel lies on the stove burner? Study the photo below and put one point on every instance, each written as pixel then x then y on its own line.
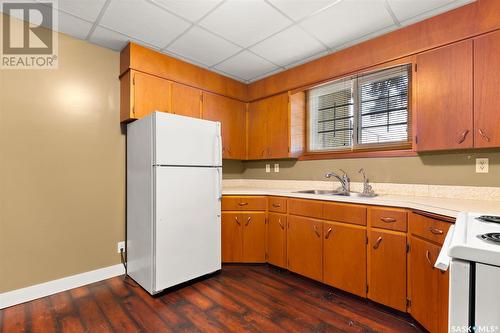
pixel 492 237
pixel 489 218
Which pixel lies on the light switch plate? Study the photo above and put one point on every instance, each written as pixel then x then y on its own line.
pixel 276 167
pixel 268 168
pixel 482 165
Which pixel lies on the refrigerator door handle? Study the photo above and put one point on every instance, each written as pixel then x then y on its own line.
pixel 218 149
pixel 219 182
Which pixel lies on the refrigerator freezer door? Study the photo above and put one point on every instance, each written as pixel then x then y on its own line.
pixel 186 141
pixel 188 226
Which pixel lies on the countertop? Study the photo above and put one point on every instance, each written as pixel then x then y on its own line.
pixel 442 206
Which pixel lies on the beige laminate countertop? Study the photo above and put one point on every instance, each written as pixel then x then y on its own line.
pixel 442 206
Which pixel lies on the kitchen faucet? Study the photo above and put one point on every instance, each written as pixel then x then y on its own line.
pixel 344 180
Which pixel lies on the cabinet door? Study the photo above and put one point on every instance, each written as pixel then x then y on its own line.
pixel 444 98
pixel 387 269
pixel 344 257
pixel 278 126
pixel 276 239
pixel 257 130
pixel 305 247
pixel 486 90
pixel 254 237
pixel 232 242
pixel 186 101
pixel 232 116
pixel 149 94
pixel 424 283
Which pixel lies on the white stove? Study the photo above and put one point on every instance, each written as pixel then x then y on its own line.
pixel 472 253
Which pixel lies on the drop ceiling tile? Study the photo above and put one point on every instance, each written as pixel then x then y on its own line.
pixel 203 46
pixel 192 10
pixel 73 26
pixel 348 20
pixel 246 65
pixel 311 58
pixel 143 21
pixel 108 38
pixel 367 37
pixel 408 18
pixel 272 72
pixel 288 46
pixel 298 9
pixel 405 9
pixel 87 10
pixel 245 22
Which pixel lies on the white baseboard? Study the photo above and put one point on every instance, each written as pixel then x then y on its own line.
pixel 22 295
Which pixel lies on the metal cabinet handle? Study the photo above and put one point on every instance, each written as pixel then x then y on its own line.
pixel 483 135
pixel 237 221
pixel 428 257
pixel 243 203
pixel 281 224
pixel 388 219
pixel 463 136
pixel 276 205
pixel 377 243
pixel 248 221
pixel 436 231
pixel 328 232
pixel 316 230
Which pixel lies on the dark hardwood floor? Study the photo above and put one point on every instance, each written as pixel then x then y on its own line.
pixel 239 299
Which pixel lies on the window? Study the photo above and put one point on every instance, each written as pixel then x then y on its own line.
pixel 364 110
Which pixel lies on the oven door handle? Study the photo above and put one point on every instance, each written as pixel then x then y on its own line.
pixel 443 260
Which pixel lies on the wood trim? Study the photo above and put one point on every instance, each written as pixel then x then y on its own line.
pixel 404 151
pixel 464 22
pixel 140 58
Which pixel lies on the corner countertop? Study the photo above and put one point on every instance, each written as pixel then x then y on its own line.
pixel 443 206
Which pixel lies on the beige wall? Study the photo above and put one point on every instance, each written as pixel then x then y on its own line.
pixel 449 168
pixel 62 167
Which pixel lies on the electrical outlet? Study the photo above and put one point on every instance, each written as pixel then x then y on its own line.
pixel 120 246
pixel 268 168
pixel 276 167
pixel 482 165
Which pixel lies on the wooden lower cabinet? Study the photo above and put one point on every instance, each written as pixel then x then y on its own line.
pixel 276 239
pixel 387 268
pixel 254 237
pixel 344 257
pixel 424 283
pixel 243 237
pixel 305 246
pixel 232 244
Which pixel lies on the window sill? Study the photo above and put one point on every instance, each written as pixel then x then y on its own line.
pixel 399 151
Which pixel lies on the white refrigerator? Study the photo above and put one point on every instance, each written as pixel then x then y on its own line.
pixel 174 196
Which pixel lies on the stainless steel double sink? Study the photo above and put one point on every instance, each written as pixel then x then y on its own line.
pixel 331 192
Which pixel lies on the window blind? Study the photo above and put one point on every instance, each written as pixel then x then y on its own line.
pixel 331 116
pixel 369 109
pixel 383 106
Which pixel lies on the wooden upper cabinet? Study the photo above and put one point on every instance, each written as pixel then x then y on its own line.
pixel 344 257
pixel 142 94
pixel 276 126
pixel 387 268
pixel 444 98
pixel 305 247
pixel 424 283
pixel 276 239
pixel 232 115
pixel 186 101
pixel 487 90
pixel 254 237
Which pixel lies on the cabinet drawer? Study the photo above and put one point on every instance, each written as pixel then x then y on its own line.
pixel 277 204
pixel 309 208
pixel 345 213
pixel 387 218
pixel 244 203
pixel 428 228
